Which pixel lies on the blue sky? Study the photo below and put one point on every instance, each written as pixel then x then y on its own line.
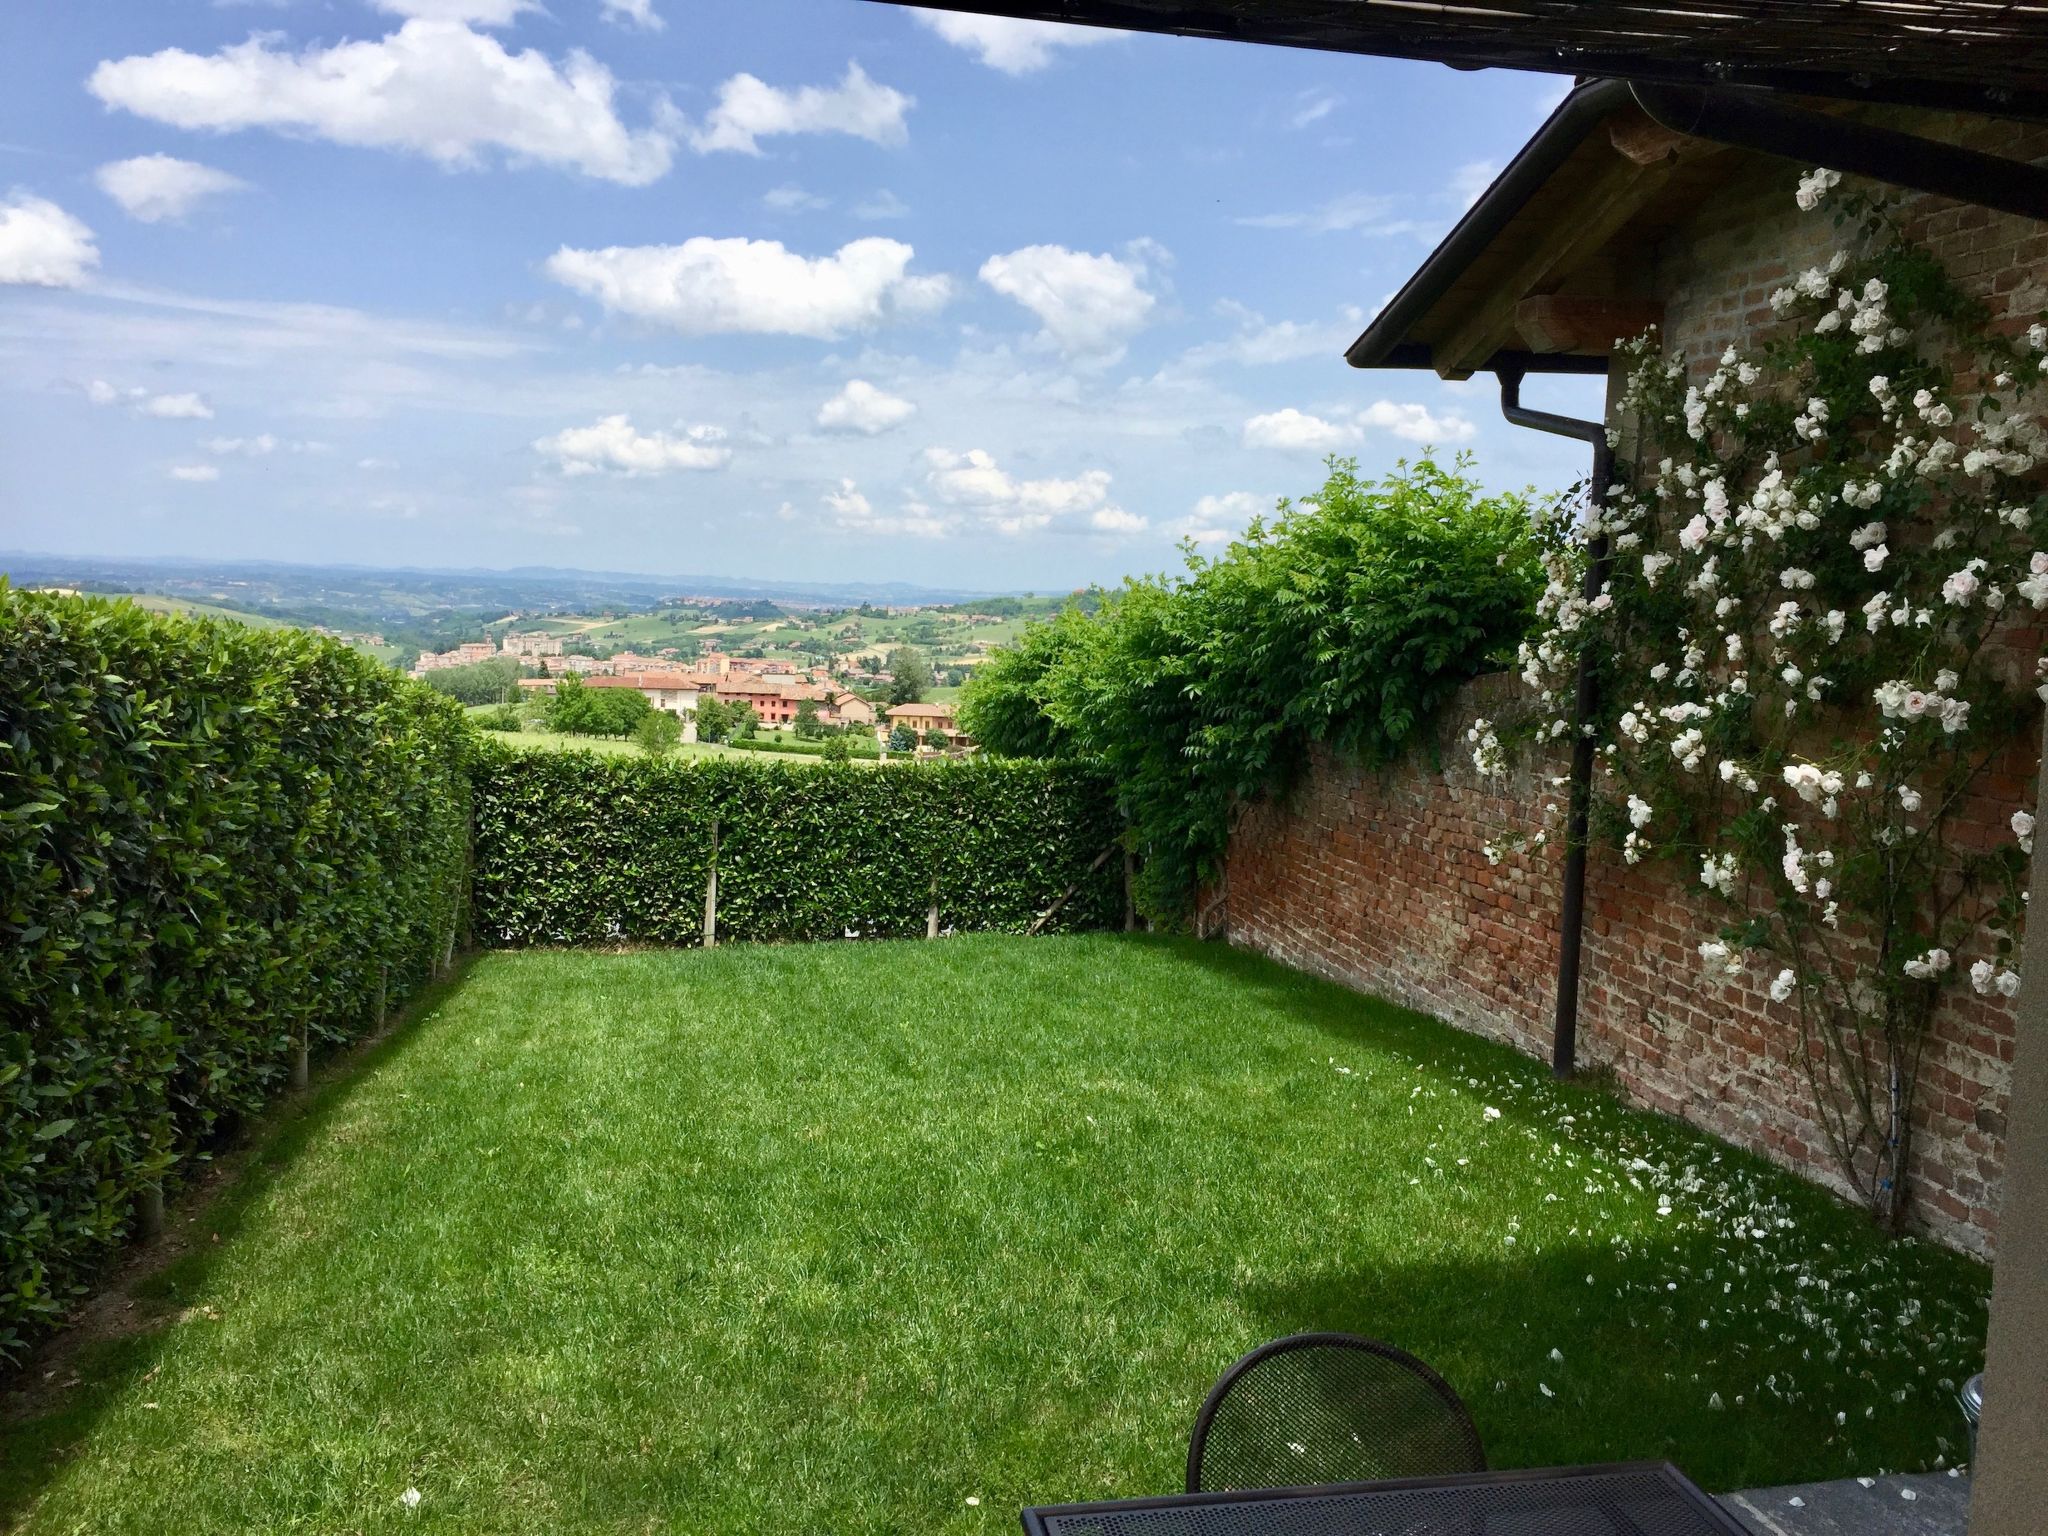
pixel 813 289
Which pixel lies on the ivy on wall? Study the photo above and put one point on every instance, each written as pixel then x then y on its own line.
pixel 578 849
pixel 214 842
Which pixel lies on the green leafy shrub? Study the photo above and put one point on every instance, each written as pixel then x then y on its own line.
pixel 658 733
pixel 481 682
pixel 214 841
pixel 501 717
pixel 577 849
pixel 1349 619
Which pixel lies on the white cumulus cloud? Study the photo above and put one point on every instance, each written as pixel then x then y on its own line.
pixel 153 188
pixel 435 88
pixel 42 245
pixel 1260 342
pixel 706 285
pixel 1000 501
pixel 1292 429
pixel 482 13
pixel 195 474
pixel 613 446
pixel 258 447
pixel 1218 519
pixel 750 109
pixel 852 512
pixel 860 407
pixel 185 407
pixel 1086 302
pixel 1013 46
pixel 793 199
pixel 1115 520
pixel 633 13
pixel 1415 423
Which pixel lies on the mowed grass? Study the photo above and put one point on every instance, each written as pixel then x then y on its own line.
pixel 844 1237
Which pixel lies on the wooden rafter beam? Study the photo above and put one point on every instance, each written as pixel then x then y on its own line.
pixel 1556 322
pixel 1569 236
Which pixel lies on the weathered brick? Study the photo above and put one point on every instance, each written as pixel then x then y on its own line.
pixel 1476 945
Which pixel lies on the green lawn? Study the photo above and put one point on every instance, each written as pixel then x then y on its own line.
pixel 845 1237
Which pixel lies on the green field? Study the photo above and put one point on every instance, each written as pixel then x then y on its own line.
pixel 897 1237
pixel 946 637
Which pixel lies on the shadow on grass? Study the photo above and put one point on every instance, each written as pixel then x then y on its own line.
pixel 51 1405
pixel 1358 1018
pixel 1622 1387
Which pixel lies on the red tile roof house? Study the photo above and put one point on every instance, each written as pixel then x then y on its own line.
pixel 776 699
pixel 852 709
pixel 675 692
pixel 924 717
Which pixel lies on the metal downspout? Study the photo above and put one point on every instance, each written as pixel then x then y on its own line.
pixel 1572 903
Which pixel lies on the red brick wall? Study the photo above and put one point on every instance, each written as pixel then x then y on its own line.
pixel 1379 880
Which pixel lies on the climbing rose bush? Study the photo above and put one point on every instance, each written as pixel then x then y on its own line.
pixel 1813 626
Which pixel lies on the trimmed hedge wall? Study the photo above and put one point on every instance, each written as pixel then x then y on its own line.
pixel 214 841
pixel 572 848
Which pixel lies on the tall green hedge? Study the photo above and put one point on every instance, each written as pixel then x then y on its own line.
pixel 577 849
pixel 213 841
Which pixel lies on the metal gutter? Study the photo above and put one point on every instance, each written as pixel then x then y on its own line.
pixel 1571 911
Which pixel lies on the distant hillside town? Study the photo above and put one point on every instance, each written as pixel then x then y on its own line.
pixel 779 692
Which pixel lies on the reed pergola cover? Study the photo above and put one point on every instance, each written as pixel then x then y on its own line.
pixel 1969 55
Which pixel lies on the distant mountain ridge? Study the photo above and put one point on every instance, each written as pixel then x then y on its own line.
pixel 409 591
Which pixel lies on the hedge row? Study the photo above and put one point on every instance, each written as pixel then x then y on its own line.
pixel 577 849
pixel 214 842
pixel 861 744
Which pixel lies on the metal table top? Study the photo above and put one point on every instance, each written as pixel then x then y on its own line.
pixel 1642 1498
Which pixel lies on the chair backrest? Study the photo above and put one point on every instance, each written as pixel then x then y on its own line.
pixel 1329 1408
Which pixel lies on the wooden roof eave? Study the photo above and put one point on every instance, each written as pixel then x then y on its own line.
pixel 1488 296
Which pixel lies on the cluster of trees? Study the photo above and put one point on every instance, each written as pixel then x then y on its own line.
pixel 718 720
pixel 1348 619
pixel 481 682
pixel 579 711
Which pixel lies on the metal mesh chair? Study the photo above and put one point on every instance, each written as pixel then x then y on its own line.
pixel 1328 1408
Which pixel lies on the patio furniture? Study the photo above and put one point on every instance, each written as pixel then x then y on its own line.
pixel 1642 1498
pixel 1329 1408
